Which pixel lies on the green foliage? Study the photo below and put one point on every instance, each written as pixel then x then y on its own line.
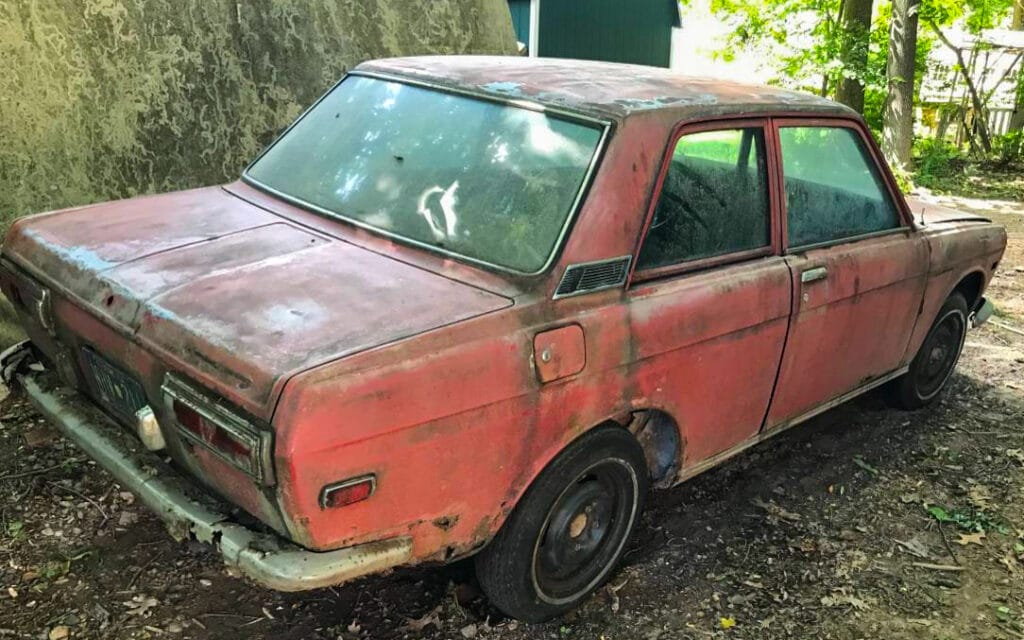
pixel 977 14
pixel 104 99
pixel 935 161
pixel 971 520
pixel 1009 148
pixel 806 41
pixel 778 24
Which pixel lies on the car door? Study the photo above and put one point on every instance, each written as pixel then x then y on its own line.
pixel 709 298
pixel 858 268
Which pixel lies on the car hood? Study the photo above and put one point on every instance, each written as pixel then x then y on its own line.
pixel 234 291
pixel 928 212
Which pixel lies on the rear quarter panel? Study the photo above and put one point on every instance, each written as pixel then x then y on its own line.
pixel 455 424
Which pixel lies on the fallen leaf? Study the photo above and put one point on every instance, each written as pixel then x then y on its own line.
pixel 857 460
pixel 430 618
pixel 970 538
pixel 914 547
pixel 1011 563
pixel 39 436
pixel 727 623
pixel 775 510
pixel 845 600
pixel 60 632
pixel 140 605
pixel 468 631
pixel 980 496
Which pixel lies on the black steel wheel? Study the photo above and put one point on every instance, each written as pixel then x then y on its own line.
pixel 935 361
pixel 569 530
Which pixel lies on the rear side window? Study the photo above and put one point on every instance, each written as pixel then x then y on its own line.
pixel 714 200
pixel 833 190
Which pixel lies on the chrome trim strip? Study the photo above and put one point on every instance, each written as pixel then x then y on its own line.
pixel 584 188
pixel 259 441
pixel 832 243
pixel 627 259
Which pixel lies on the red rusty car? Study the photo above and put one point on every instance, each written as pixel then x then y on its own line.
pixel 471 305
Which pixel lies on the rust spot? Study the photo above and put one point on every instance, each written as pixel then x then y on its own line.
pixel 445 523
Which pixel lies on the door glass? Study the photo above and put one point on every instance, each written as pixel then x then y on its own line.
pixel 833 190
pixel 714 200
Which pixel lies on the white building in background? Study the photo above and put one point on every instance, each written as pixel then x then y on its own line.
pixel 994 59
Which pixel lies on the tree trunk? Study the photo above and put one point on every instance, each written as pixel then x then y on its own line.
pixel 898 116
pixel 856 28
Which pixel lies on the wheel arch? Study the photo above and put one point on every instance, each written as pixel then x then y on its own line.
pixel 656 431
pixel 971 287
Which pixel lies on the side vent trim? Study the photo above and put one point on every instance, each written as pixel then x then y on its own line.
pixel 587 277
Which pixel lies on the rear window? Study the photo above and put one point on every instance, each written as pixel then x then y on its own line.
pixel 491 182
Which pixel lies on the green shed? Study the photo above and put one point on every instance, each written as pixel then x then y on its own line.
pixel 636 31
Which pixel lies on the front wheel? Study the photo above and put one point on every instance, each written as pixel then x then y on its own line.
pixel 569 530
pixel 934 363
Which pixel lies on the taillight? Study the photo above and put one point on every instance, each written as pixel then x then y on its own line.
pixel 207 423
pixel 236 448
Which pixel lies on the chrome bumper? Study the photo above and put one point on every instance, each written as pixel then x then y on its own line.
pixel 982 313
pixel 188 512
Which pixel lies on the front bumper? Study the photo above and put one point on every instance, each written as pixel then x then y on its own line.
pixel 982 312
pixel 188 511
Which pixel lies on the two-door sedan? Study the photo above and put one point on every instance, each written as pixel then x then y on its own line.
pixel 480 305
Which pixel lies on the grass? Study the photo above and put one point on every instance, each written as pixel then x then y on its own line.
pixel 10 329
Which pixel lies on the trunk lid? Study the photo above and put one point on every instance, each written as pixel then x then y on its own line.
pixel 237 293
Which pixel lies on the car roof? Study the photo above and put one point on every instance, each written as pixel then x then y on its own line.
pixel 603 89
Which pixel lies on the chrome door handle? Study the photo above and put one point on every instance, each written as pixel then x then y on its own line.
pixel 813 275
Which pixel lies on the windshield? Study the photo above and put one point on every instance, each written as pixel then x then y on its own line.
pixel 488 181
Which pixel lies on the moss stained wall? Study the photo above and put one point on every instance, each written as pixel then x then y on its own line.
pixel 104 99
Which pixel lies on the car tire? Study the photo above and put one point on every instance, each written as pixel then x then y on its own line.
pixel 935 361
pixel 569 530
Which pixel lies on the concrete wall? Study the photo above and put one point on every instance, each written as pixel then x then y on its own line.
pixel 103 99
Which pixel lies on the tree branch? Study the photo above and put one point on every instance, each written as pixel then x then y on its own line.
pixel 979 107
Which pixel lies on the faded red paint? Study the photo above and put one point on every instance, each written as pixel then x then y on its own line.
pixel 367 356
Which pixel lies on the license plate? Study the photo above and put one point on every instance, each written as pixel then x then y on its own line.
pixel 117 391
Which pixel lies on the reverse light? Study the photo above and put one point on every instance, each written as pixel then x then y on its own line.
pixel 347 492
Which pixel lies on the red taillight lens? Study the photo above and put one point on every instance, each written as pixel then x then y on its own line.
pixel 189 418
pixel 237 450
pixel 347 492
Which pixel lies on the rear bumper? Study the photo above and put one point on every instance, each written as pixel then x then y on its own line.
pixel 188 511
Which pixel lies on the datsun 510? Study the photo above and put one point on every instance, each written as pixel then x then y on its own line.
pixel 478 306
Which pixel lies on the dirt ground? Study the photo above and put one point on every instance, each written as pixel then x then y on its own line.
pixel 864 523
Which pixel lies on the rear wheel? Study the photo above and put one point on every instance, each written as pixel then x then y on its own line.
pixel 935 361
pixel 569 530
